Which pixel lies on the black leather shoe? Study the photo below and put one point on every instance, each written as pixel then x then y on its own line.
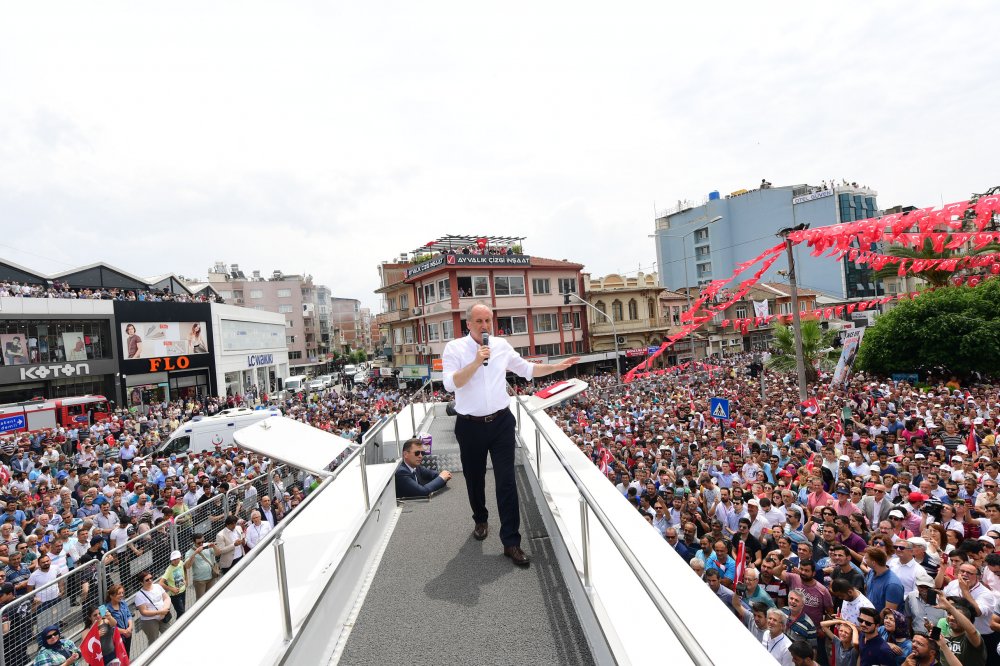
pixel 517 555
pixel 482 531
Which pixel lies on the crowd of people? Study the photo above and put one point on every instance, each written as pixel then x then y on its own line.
pixel 59 289
pixel 863 527
pixel 73 498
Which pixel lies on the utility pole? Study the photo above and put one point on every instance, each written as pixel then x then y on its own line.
pixel 800 364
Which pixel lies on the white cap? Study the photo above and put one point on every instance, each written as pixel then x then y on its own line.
pixel 176 555
pixel 896 514
pixel 845 458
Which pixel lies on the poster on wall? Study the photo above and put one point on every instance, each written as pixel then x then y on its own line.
pixel 15 349
pixel 157 339
pixel 852 341
pixel 76 349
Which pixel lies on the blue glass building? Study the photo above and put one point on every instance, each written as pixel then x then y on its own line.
pixel 693 247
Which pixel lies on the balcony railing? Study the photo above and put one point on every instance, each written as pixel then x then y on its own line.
pixel 604 328
pixel 383 318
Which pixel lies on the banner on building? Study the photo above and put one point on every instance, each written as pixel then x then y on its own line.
pixel 852 342
pixel 15 349
pixel 761 308
pixel 160 339
pixel 73 343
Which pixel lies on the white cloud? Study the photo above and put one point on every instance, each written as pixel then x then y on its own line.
pixel 325 138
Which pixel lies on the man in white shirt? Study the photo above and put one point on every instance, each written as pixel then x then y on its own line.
pixel 45 573
pixel 256 530
pixel 905 566
pixel 775 641
pixel 477 374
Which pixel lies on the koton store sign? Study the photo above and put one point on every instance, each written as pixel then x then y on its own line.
pixel 56 370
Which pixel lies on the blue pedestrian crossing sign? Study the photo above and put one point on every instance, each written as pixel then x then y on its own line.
pixel 720 408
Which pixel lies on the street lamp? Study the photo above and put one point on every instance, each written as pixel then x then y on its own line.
pixel 614 331
pixel 687 286
pixel 800 363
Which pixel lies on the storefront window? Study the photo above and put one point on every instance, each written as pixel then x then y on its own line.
pixel 26 342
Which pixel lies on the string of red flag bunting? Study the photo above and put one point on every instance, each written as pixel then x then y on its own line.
pixel 943 227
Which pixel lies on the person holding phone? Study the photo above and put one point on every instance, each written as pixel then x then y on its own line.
pixel 202 559
pixel 964 645
pixel 926 650
pixel 921 604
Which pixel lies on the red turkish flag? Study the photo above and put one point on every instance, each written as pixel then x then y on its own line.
pixel 90 648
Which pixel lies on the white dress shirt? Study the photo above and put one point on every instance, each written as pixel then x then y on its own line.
pixel 486 391
pixel 254 533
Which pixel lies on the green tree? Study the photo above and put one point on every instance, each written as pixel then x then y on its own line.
pixel 817 349
pixel 956 329
pixel 358 356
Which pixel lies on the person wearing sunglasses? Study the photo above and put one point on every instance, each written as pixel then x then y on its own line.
pixel 872 648
pixel 53 649
pixel 415 480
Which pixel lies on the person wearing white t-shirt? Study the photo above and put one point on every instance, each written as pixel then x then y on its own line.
pixel 44 574
pixel 152 604
pixel 852 601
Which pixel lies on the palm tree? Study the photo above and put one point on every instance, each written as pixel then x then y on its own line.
pixel 933 277
pixel 817 349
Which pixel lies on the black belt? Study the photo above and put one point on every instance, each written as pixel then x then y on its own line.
pixel 485 419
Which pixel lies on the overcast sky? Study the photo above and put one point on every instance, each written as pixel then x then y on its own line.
pixel 327 137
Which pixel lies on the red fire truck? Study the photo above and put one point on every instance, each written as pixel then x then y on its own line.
pixel 39 414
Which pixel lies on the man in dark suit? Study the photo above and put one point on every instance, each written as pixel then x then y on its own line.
pixel 412 480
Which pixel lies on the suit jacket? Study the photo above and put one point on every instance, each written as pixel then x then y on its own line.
pixel 227 544
pixel 416 484
pixel 868 508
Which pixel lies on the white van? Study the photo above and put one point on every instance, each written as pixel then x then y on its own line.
pixel 202 433
pixel 350 370
pixel 296 383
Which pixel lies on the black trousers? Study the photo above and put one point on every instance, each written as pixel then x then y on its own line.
pixel 496 438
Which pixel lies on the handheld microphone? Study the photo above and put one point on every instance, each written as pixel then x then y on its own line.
pixel 486 343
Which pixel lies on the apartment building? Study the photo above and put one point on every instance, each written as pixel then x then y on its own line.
pixel 293 296
pixel 425 299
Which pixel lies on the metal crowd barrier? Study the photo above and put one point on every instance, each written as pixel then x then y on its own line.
pixel 590 506
pixel 274 537
pixel 86 586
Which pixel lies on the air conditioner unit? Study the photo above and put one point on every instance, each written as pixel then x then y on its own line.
pixel 621 339
pixel 416 311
